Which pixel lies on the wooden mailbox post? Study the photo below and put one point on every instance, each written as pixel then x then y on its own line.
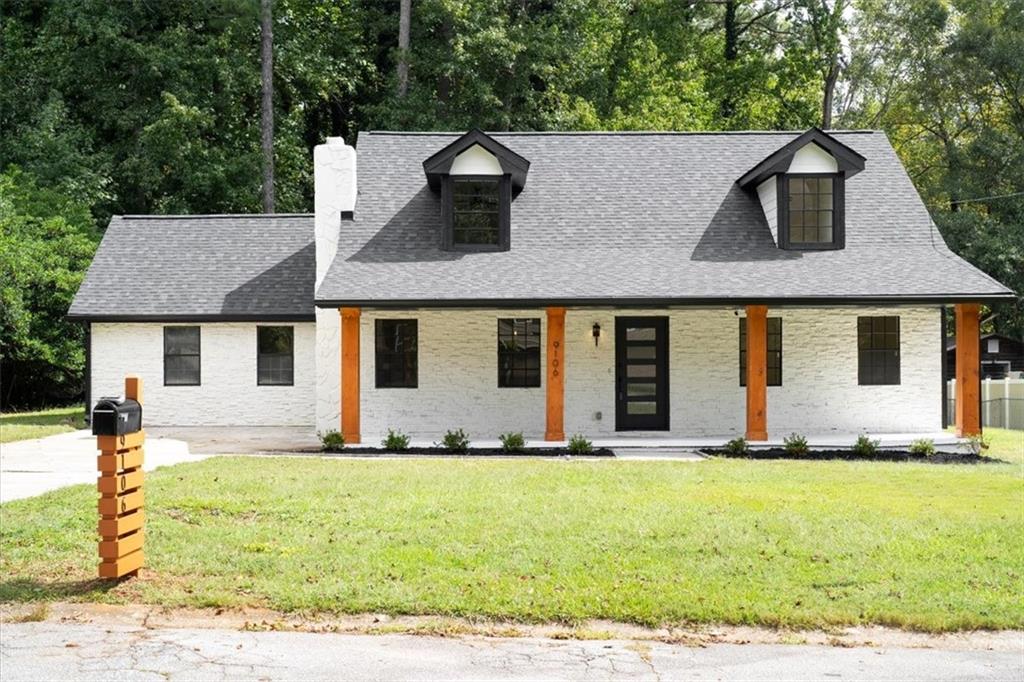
pixel 121 497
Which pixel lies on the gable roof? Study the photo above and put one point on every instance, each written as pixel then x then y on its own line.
pixel 642 218
pixel 848 160
pixel 511 163
pixel 222 267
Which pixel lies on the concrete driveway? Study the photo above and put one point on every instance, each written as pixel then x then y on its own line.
pixel 33 467
pixel 95 651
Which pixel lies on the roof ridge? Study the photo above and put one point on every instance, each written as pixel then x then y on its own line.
pixel 206 216
pixel 623 133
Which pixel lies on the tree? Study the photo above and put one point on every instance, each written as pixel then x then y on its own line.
pixel 267 104
pixel 404 18
pixel 46 242
pixel 822 27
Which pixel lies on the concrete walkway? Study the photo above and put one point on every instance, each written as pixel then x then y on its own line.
pixel 33 467
pixel 60 651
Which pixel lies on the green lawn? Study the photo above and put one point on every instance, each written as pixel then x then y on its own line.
pixel 24 425
pixel 777 543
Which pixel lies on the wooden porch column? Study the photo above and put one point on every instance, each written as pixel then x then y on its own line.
pixel 555 429
pixel 350 375
pixel 968 379
pixel 757 372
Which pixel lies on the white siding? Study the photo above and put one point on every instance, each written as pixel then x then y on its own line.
pixel 767 192
pixel 458 379
pixel 475 161
pixel 228 395
pixel 819 395
pixel 813 159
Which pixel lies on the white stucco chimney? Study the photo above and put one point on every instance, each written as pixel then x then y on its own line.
pixel 334 192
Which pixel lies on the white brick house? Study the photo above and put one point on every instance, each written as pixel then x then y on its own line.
pixel 657 285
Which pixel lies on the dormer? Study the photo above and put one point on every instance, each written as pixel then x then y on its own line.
pixel 802 188
pixel 477 178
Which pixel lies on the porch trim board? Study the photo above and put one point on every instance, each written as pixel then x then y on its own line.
pixel 968 369
pixel 555 411
pixel 350 375
pixel 757 372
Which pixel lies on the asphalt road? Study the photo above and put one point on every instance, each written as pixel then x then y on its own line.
pixel 61 651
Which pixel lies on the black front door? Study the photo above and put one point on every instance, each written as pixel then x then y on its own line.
pixel 641 373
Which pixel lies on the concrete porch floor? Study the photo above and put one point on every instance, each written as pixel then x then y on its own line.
pixel 244 440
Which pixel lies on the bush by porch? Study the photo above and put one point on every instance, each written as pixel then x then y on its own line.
pixel 780 543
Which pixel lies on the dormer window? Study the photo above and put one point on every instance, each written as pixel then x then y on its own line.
pixel 477 178
pixel 810 212
pixel 801 188
pixel 476 211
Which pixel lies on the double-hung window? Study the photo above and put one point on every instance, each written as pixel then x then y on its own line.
pixel 519 353
pixel 275 356
pixel 878 350
pixel 774 351
pixel 477 212
pixel 475 215
pixel 395 353
pixel 181 356
pixel 811 208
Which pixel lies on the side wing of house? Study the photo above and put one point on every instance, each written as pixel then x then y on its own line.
pixel 213 312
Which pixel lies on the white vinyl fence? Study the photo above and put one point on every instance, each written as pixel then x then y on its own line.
pixel 1002 402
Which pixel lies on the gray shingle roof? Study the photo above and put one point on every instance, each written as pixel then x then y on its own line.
pixel 644 216
pixel 246 267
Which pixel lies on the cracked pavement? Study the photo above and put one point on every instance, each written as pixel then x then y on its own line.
pixel 97 651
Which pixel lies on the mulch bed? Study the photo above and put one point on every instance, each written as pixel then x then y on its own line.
pixel 880 456
pixel 473 452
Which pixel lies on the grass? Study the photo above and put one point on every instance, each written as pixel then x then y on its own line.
pixel 794 544
pixel 25 425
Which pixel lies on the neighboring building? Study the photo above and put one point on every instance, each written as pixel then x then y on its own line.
pixel 655 284
pixel 1001 357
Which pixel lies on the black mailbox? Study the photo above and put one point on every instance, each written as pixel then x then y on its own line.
pixel 116 417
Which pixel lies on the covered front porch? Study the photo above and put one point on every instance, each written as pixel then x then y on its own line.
pixel 686 377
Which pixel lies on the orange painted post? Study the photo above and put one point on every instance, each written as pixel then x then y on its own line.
pixel 350 375
pixel 121 497
pixel 757 372
pixel 968 369
pixel 555 428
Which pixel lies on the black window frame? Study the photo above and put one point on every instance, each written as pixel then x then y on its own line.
pixel 871 357
pixel 260 355
pixel 198 355
pixel 520 359
pixel 838 212
pixel 504 212
pixel 383 357
pixel 774 362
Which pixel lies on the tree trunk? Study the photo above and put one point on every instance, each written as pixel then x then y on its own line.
pixel 727 107
pixel 267 109
pixel 444 83
pixel 404 19
pixel 826 100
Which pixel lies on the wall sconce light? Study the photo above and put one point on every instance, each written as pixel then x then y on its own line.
pixel 596 332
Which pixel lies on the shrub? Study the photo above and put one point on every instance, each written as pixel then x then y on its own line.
pixel 923 446
pixel 395 441
pixel 976 444
pixel 865 447
pixel 455 441
pixel 579 445
pixel 513 442
pixel 332 441
pixel 737 446
pixel 795 445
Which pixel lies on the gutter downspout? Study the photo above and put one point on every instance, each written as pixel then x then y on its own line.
pixel 945 369
pixel 88 372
